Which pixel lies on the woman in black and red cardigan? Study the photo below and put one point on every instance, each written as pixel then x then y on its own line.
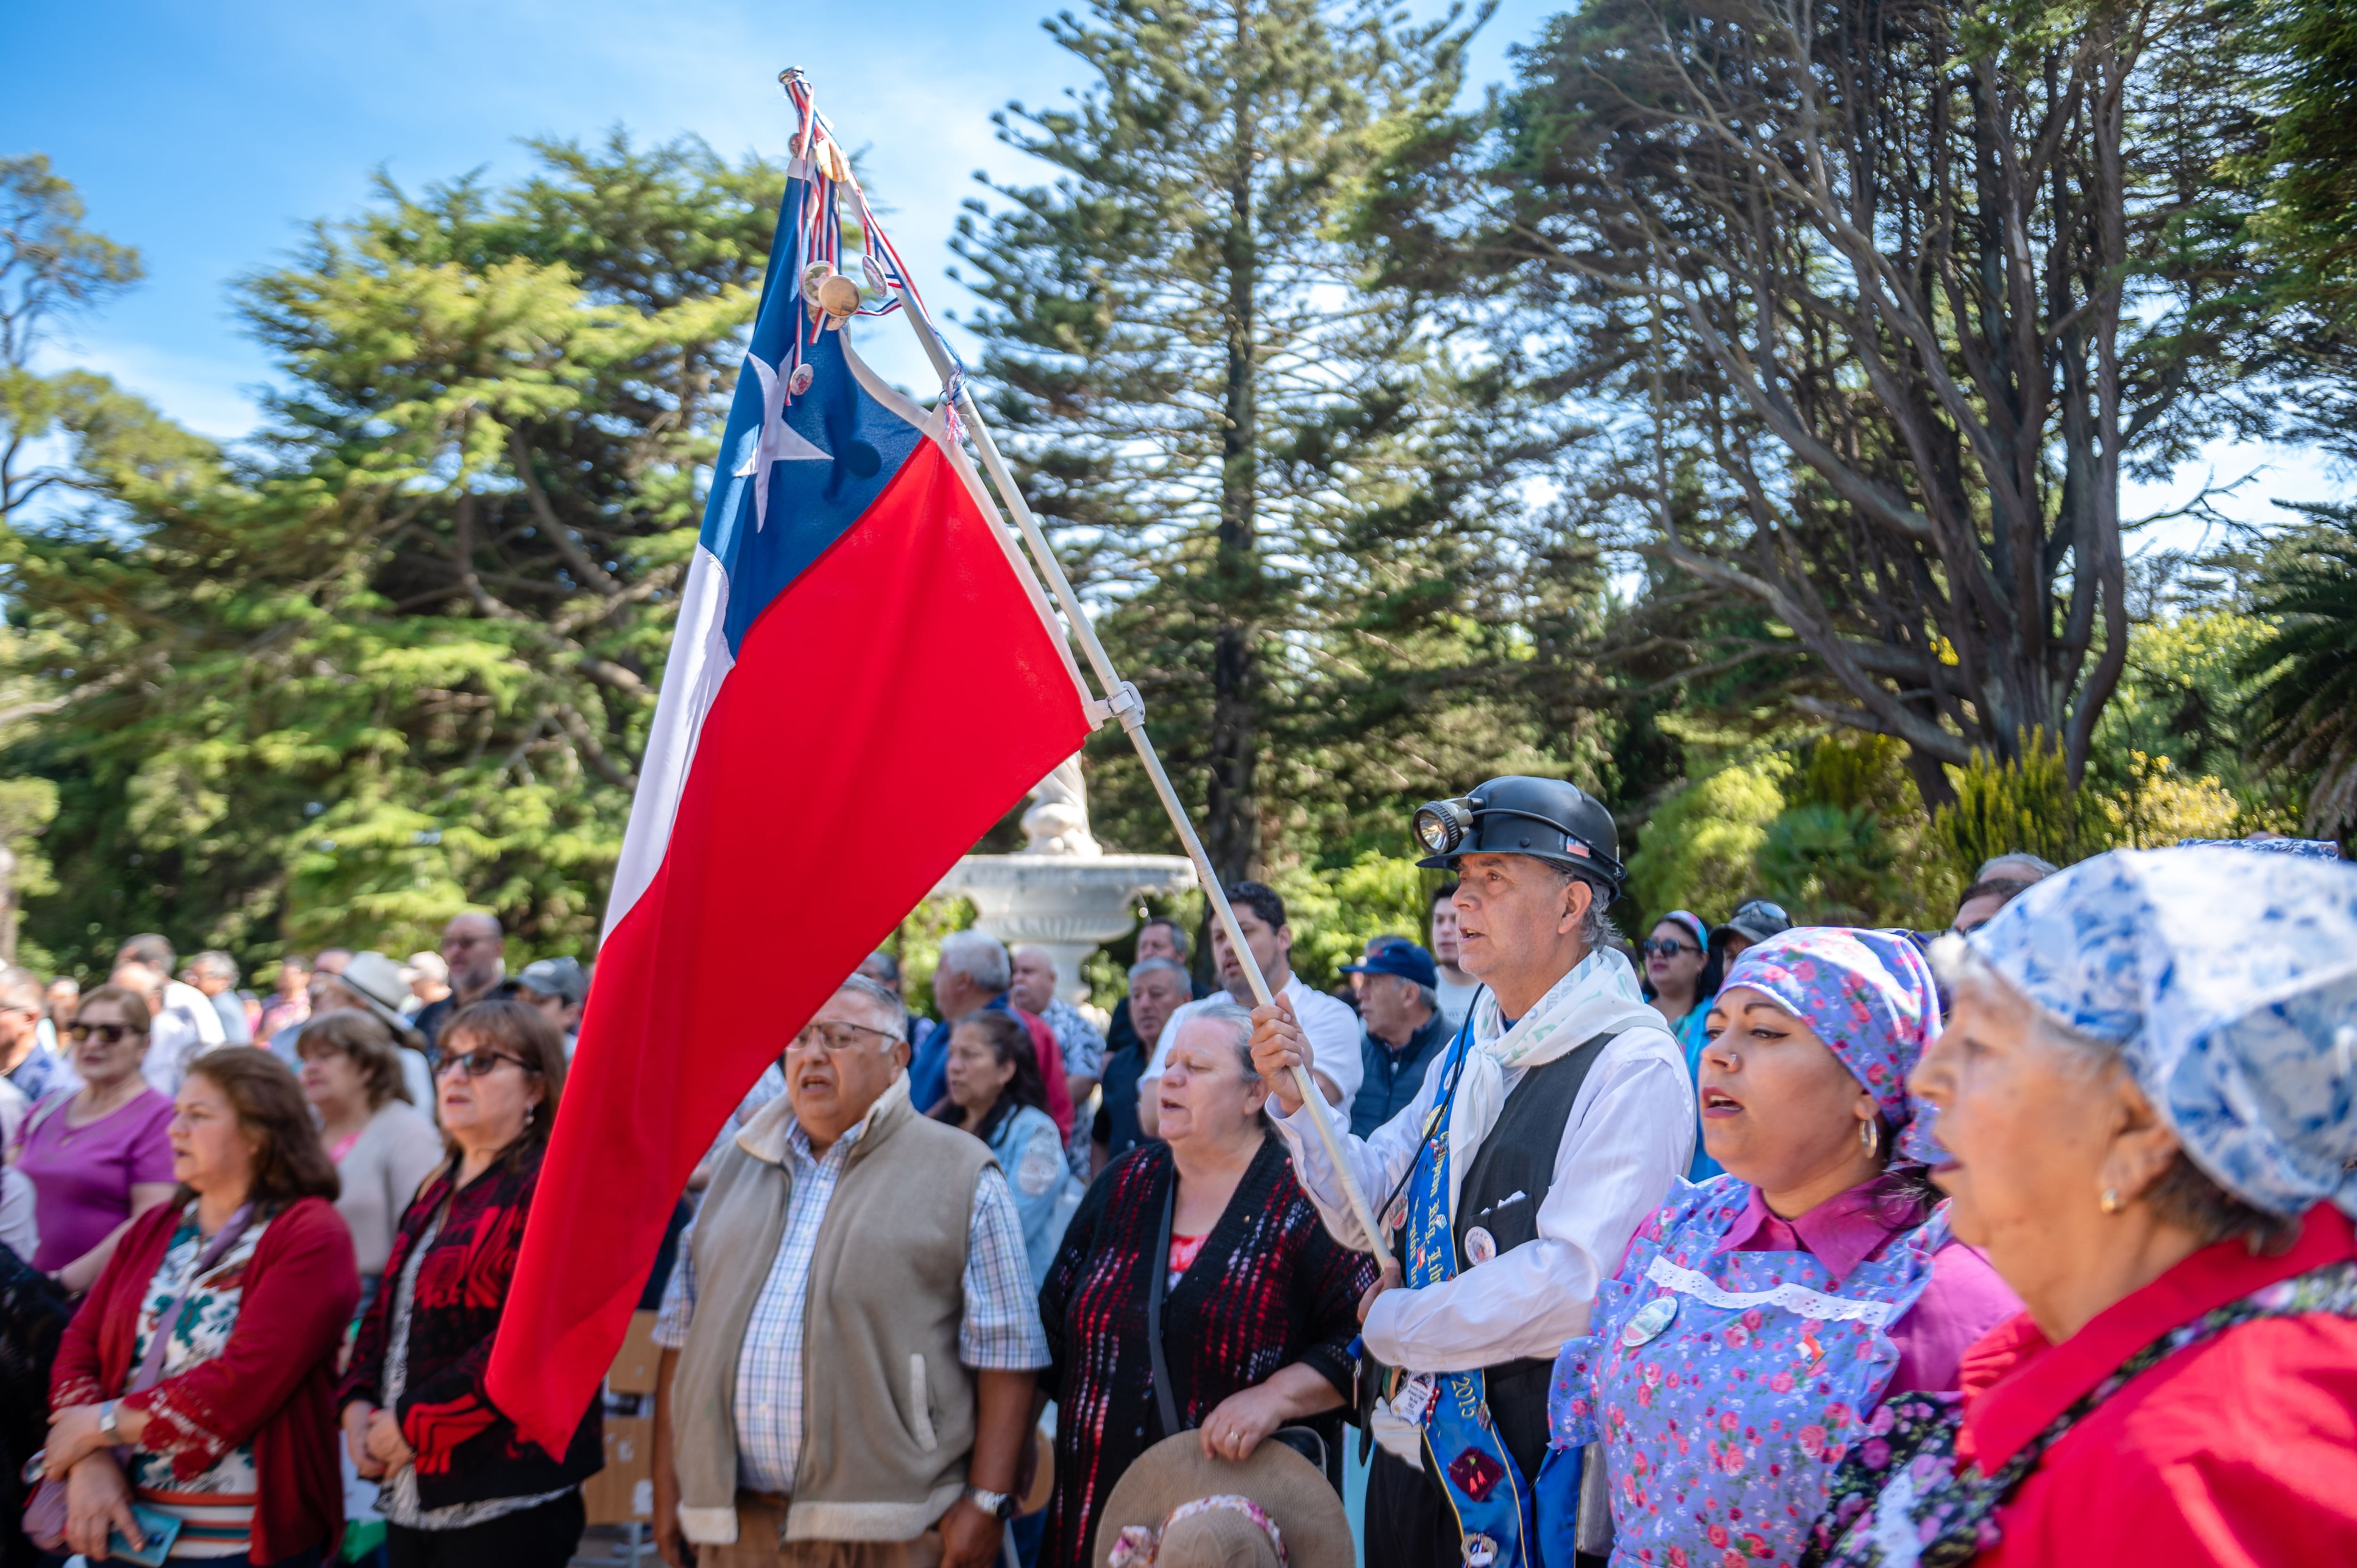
pixel 1260 1308
pixel 461 1488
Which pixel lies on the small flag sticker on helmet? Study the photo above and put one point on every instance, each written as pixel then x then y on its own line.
pixel 1572 846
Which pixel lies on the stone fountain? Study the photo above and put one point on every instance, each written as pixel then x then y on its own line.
pixel 1061 891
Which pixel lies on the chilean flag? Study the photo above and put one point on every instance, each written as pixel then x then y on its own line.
pixel 864 678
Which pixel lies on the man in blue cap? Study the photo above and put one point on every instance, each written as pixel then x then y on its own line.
pixel 1399 1008
pixel 1509 1184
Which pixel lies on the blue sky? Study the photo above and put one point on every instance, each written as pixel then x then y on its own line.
pixel 207 135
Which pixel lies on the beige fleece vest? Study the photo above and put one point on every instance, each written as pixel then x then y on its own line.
pixel 888 1408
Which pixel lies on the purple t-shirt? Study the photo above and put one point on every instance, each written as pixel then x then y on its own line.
pixel 82 1176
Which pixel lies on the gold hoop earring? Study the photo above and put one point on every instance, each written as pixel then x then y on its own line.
pixel 1869 1137
pixel 2110 1200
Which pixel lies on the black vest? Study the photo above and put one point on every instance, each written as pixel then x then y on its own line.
pixel 1508 1180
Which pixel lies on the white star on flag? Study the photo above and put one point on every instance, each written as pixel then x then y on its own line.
pixel 776 440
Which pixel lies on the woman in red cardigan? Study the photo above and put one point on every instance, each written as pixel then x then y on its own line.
pixel 205 1353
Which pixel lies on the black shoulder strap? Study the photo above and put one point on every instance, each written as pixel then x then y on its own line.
pixel 1158 1287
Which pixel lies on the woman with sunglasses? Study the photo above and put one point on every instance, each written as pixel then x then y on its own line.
pixel 1681 973
pixel 460 1486
pixel 99 1157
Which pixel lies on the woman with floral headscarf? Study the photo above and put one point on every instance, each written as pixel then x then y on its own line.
pixel 1760 1319
pixel 2145 1101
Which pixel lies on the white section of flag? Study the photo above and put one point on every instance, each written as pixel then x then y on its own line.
pixel 699 662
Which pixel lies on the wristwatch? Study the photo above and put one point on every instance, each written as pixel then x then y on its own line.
pixel 107 1409
pixel 997 1505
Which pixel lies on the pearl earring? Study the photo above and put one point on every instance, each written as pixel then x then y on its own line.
pixel 2110 1200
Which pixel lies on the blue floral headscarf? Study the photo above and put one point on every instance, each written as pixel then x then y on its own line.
pixel 1868 996
pixel 2229 981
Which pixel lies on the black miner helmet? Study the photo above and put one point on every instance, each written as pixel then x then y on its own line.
pixel 1555 822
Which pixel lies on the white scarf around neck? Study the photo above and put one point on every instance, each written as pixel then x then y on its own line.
pixel 1598 995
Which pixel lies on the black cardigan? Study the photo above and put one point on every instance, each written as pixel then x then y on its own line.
pixel 1269 1288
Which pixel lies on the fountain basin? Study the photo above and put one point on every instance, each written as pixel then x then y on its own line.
pixel 1070 904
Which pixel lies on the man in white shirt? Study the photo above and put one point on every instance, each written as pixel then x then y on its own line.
pixel 1565 1118
pixel 1456 988
pixel 185 1022
pixel 1332 1028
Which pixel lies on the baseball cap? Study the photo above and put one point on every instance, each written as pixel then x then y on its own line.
pixel 555 977
pixel 1397 955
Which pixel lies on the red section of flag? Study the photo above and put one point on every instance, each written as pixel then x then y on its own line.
pixel 885 710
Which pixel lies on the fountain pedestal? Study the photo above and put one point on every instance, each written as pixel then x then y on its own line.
pixel 1061 891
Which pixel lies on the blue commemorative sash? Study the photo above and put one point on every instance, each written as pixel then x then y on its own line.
pixel 1490 1497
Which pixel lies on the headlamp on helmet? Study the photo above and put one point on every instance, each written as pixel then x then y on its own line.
pixel 1441 825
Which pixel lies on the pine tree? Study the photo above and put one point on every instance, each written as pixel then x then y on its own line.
pixel 1287 491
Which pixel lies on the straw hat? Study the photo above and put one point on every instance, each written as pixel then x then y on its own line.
pixel 1175 1508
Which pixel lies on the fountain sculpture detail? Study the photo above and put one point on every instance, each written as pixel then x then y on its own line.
pixel 1061 891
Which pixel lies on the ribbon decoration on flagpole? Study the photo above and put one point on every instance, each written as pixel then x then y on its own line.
pixel 815 143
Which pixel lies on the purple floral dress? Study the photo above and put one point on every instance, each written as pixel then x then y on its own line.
pixel 1727 1386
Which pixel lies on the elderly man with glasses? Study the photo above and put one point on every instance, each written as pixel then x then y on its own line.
pixel 849 1337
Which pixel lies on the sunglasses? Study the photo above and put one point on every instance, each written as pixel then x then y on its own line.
pixel 108 1034
pixel 1762 907
pixel 1664 947
pixel 836 1037
pixel 478 1064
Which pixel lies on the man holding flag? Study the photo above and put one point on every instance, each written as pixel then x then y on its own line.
pixel 1542 1137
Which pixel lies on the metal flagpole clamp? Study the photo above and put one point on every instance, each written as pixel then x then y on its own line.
pixel 1124 705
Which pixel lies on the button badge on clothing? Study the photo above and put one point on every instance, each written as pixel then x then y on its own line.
pixel 1650 1319
pixel 1480 1245
pixel 1480 1552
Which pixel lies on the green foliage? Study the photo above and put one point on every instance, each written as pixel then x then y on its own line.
pixel 401 663
pixel 1829 866
pixel 2302 711
pixel 2002 807
pixel 1699 844
pixel 1851 848
pixel 1334 911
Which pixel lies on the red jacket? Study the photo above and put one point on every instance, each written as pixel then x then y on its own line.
pixel 273 1385
pixel 2238 1451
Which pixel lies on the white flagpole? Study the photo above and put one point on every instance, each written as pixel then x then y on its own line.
pixel 1122 702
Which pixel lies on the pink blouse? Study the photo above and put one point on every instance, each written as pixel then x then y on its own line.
pixel 1963 1300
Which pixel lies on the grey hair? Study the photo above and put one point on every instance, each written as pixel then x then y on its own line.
pixel 2184 1195
pixel 1221 1010
pixel 881 994
pixel 1429 998
pixel 1147 966
pixel 216 963
pixel 883 960
pixel 980 957
pixel 2018 857
pixel 1177 932
pixel 20 987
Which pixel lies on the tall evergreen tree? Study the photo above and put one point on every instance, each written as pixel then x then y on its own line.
pixel 1289 491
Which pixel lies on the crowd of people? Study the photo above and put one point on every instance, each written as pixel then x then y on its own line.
pixel 1753 1242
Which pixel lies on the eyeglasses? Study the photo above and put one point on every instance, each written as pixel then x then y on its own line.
pixel 1664 947
pixel 478 1064
pixel 108 1034
pixel 837 1036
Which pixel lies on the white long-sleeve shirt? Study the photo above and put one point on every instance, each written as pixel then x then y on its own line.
pixel 1631 1131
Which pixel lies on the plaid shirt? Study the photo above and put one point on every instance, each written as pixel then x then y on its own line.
pixel 999 1330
